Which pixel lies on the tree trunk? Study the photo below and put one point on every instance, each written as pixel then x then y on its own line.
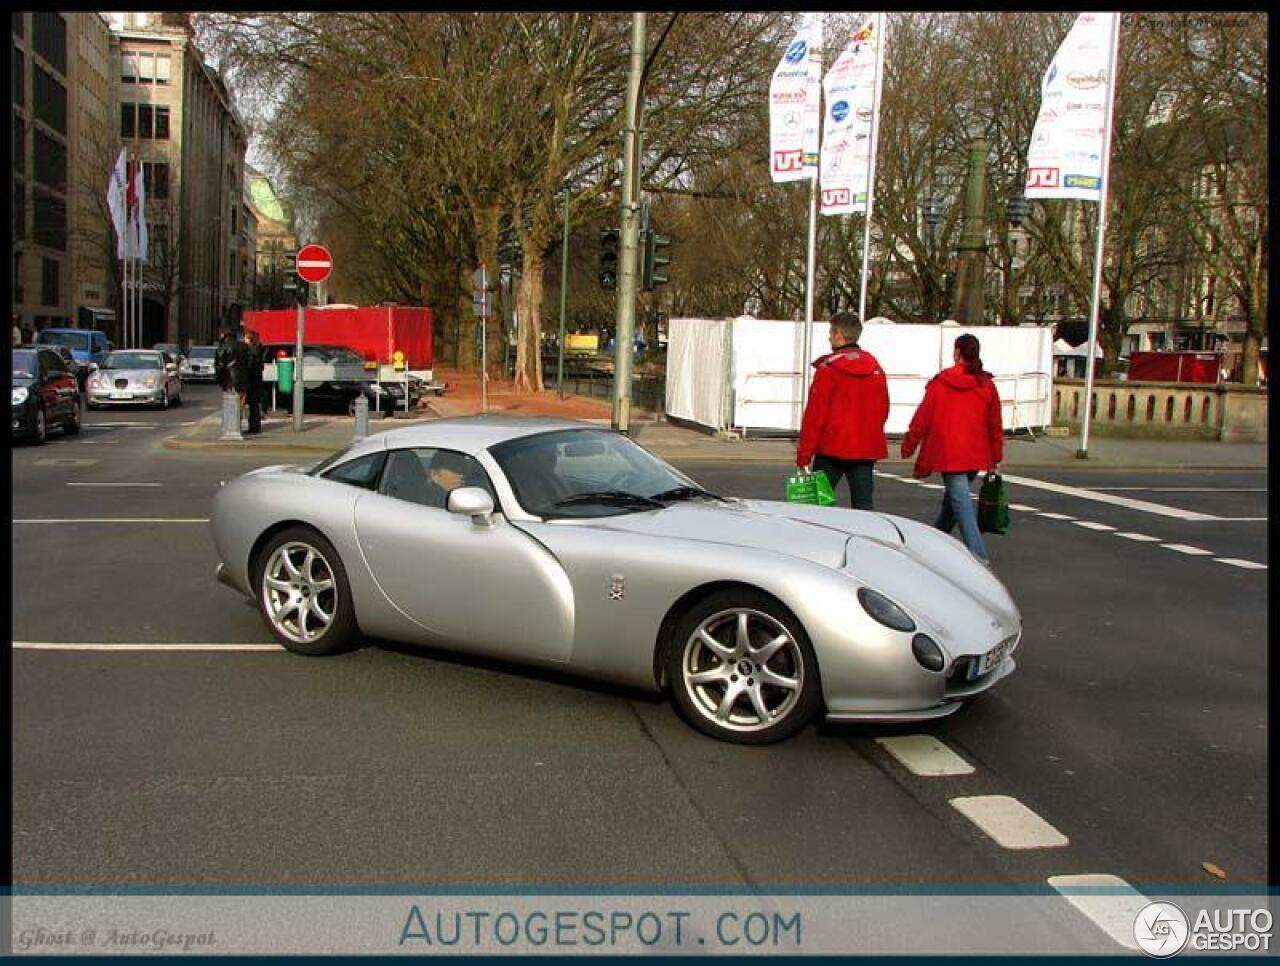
pixel 529 306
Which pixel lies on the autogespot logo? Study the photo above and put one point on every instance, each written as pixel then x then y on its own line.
pixel 839 111
pixel 796 52
pixel 1161 929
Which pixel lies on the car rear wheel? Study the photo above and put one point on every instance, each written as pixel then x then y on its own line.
pixel 41 431
pixel 303 593
pixel 72 425
pixel 742 669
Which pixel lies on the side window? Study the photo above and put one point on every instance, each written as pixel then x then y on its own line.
pixel 54 362
pixel 362 472
pixel 425 476
pixel 99 342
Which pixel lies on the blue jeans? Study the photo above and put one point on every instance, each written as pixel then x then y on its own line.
pixel 957 507
pixel 858 473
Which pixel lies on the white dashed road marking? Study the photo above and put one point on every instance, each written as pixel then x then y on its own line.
pixel 1110 902
pixel 925 755
pixel 78 520
pixel 1184 548
pixel 1243 564
pixel 115 484
pixel 1023 507
pixel 932 486
pixel 1156 508
pixel 1140 537
pixel 1009 822
pixel 1057 516
pixel 34 646
pixel 1090 525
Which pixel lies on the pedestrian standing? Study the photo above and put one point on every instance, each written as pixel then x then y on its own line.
pixel 959 432
pixel 253 379
pixel 842 432
pixel 239 369
pixel 17 329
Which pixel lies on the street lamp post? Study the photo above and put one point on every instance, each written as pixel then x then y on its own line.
pixel 1015 213
pixel 932 208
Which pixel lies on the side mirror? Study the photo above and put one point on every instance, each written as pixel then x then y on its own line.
pixel 93 367
pixel 170 367
pixel 474 502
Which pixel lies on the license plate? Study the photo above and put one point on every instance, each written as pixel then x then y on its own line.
pixel 116 394
pixel 988 661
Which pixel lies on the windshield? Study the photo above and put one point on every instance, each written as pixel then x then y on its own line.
pixel 24 364
pixel 73 340
pixel 133 360
pixel 170 347
pixel 202 351
pixel 555 474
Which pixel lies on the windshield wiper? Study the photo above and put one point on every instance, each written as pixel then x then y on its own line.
pixel 613 498
pixel 685 493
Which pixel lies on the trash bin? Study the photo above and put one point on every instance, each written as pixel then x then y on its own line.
pixel 284 375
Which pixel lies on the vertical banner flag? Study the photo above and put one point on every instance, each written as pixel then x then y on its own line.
pixel 795 111
pixel 850 89
pixel 136 197
pixel 1065 157
pixel 117 204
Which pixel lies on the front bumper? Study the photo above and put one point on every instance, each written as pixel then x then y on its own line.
pixel 137 397
pixel 950 704
pixel 23 420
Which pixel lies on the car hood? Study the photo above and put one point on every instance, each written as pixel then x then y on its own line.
pixel 811 533
pixel 131 374
pixel 22 383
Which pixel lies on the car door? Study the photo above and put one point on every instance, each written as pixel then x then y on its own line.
pixel 57 390
pixel 488 589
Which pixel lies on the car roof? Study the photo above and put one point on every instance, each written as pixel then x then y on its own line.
pixel 467 434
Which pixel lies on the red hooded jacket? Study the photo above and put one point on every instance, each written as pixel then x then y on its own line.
pixel 957 425
pixel 847 408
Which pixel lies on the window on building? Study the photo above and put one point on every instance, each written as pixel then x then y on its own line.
pixel 128 67
pixel 146 125
pixel 19 77
pixel 19 209
pixel 19 146
pixel 19 24
pixel 49 37
pixel 128 120
pixel 158 239
pixel 234 223
pixel 50 100
pixel 231 269
pixel 162 123
pixel 163 66
pixel 155 176
pixel 50 161
pixel 148 68
pixel 49 281
pixel 144 121
pixel 19 293
pixel 51 220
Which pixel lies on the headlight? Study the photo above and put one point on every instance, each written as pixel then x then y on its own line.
pixel 99 382
pixel 882 609
pixel 149 382
pixel 20 395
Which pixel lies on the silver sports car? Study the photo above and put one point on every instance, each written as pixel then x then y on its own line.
pixel 132 377
pixel 566 545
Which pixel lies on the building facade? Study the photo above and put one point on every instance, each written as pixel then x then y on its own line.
pixel 277 242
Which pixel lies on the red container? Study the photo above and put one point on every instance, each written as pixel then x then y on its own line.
pixel 375 333
pixel 1199 367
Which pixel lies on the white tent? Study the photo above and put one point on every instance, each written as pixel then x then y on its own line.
pixel 1062 347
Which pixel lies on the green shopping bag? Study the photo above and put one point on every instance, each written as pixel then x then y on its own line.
pixel 993 505
pixel 812 488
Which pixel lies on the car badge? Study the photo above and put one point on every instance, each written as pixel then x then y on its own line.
pixel 616 587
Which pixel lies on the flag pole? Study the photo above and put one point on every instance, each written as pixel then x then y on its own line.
pixel 880 39
pixel 810 271
pixel 1083 451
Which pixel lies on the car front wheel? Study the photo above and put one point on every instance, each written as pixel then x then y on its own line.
pixel 41 431
pixel 303 593
pixel 742 669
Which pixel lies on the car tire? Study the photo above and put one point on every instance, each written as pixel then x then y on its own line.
pixel 72 426
pixel 41 430
pixel 759 684
pixel 291 571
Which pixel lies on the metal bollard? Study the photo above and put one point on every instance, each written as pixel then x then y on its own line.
pixel 362 418
pixel 231 416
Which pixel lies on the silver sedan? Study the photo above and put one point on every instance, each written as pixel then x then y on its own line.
pixel 568 546
pixel 135 377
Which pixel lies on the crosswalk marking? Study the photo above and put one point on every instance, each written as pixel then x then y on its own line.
pixel 1009 822
pixel 925 755
pixel 1140 537
pixel 1057 516
pixel 1023 507
pixel 1109 902
pixel 1090 525
pixel 1189 550
pixel 1243 564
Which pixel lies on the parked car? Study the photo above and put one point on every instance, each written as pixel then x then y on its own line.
pixel 564 545
pixel 45 394
pixel 198 365
pixel 87 345
pixel 80 370
pixel 133 377
pixel 339 394
pixel 174 352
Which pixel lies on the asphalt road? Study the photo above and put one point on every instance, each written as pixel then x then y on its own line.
pixel 1136 724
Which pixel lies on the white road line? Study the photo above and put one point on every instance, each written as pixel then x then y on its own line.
pixel 1184 548
pixel 1243 564
pixel 932 486
pixel 113 520
pixel 925 755
pixel 115 484
pixel 1156 508
pixel 1090 525
pixel 1140 537
pixel 35 646
pixel 1023 507
pixel 1009 822
pixel 1057 516
pixel 1109 902
pixel 1187 489
pixel 1240 520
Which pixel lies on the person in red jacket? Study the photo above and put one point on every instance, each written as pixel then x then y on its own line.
pixel 959 432
pixel 842 432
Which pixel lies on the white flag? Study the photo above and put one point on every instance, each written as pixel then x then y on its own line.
pixel 850 89
pixel 795 108
pixel 116 202
pixel 1068 140
pixel 136 196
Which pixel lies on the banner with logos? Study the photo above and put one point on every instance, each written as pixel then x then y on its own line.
pixel 850 95
pixel 795 109
pixel 1065 159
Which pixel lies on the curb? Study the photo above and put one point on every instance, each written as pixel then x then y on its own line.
pixel 177 442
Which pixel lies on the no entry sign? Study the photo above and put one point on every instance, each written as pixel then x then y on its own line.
pixel 314 263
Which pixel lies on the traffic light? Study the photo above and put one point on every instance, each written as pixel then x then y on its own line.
pixel 609 241
pixel 297 289
pixel 655 260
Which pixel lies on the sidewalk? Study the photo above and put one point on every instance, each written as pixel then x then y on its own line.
pixel 322 435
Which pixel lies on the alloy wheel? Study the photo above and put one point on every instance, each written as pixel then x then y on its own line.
pixel 299 592
pixel 743 670
pixel 41 426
